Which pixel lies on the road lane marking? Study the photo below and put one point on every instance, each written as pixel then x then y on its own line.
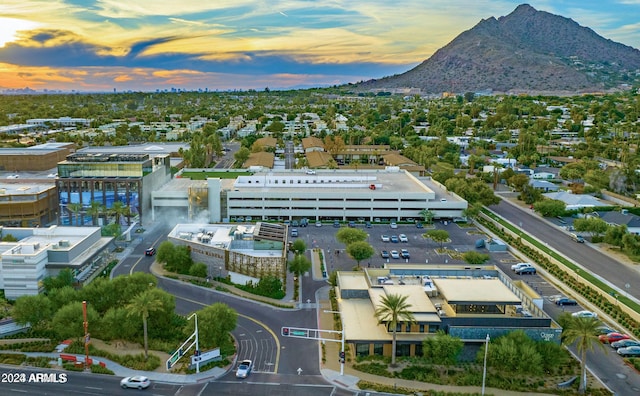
pixel 277 364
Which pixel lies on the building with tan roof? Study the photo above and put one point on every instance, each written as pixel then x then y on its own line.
pixel 262 158
pixel 267 142
pixel 318 159
pixel 312 143
pixel 464 302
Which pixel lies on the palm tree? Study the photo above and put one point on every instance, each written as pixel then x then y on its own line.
pixel 427 215
pixel 120 209
pixel 393 310
pixel 75 208
pixel 94 211
pixel 142 305
pixel 584 332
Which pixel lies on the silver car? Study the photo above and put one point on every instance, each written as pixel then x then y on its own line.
pixel 244 369
pixel 136 382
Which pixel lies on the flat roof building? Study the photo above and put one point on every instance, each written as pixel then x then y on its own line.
pixel 42 252
pixel 463 302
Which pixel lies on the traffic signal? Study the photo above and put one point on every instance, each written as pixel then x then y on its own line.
pixel 285 331
pixel 342 357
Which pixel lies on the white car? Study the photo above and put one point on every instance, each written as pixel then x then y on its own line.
pixel 584 314
pixel 244 369
pixel 403 238
pixel 394 225
pixel 318 224
pixel 395 254
pixel 385 238
pixel 13 177
pixel 136 382
pixel 520 266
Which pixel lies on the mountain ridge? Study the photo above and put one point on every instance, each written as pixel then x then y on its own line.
pixel 526 51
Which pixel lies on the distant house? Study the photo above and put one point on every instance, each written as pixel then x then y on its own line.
pixel 310 144
pixel 575 201
pixel 543 175
pixel 543 185
pixel 623 217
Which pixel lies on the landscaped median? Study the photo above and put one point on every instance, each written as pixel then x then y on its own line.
pixel 621 309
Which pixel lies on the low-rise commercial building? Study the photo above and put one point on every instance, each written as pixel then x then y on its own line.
pixel 467 303
pixel 42 252
pixel 245 252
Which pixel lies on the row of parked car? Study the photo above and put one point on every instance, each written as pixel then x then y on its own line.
pixel 404 253
pixel 394 238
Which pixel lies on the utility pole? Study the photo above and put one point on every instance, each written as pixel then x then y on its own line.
pixel 86 335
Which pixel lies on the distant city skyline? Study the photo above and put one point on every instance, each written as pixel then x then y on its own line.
pixel 144 45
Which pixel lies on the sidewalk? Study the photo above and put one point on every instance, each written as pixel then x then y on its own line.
pixel 121 371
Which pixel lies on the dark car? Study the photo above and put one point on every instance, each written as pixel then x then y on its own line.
pixel 526 271
pixel 394 239
pixel 150 252
pixel 566 301
pixel 336 224
pixel 419 225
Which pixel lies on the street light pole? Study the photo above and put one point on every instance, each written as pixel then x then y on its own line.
pixel 197 345
pixel 484 371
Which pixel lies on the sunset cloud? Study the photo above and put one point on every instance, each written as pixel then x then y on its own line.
pixel 226 44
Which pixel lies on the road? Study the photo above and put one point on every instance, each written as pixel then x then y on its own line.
pixel 591 259
pixel 278 358
pixel 607 365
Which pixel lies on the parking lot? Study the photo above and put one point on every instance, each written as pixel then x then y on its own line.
pixel 422 251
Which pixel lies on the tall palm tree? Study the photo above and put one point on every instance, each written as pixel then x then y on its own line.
pixel 119 209
pixel 142 305
pixel 75 208
pixel 94 211
pixel 393 310
pixel 584 332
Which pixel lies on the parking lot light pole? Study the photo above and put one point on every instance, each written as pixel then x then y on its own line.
pixel 197 345
pixel 484 371
pixel 342 341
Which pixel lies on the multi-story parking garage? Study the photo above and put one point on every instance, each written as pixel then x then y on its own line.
pixel 389 194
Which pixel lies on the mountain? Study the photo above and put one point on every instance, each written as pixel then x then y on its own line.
pixel 527 51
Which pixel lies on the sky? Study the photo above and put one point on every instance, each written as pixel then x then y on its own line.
pixel 149 45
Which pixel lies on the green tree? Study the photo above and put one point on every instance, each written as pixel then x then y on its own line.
pixel 615 234
pixel 393 310
pixel 299 265
pixel 116 323
pixel 142 305
pixel 94 210
pixel 550 207
pixel 592 225
pixel 350 235
pixel 442 348
pixel 35 310
pixel 215 322
pixel 518 181
pixel 530 194
pixel 62 296
pixel 360 250
pixel 241 156
pixel 68 321
pixel 64 278
pixel 427 215
pixel 198 269
pixel 439 236
pixel 299 246
pixel 584 333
